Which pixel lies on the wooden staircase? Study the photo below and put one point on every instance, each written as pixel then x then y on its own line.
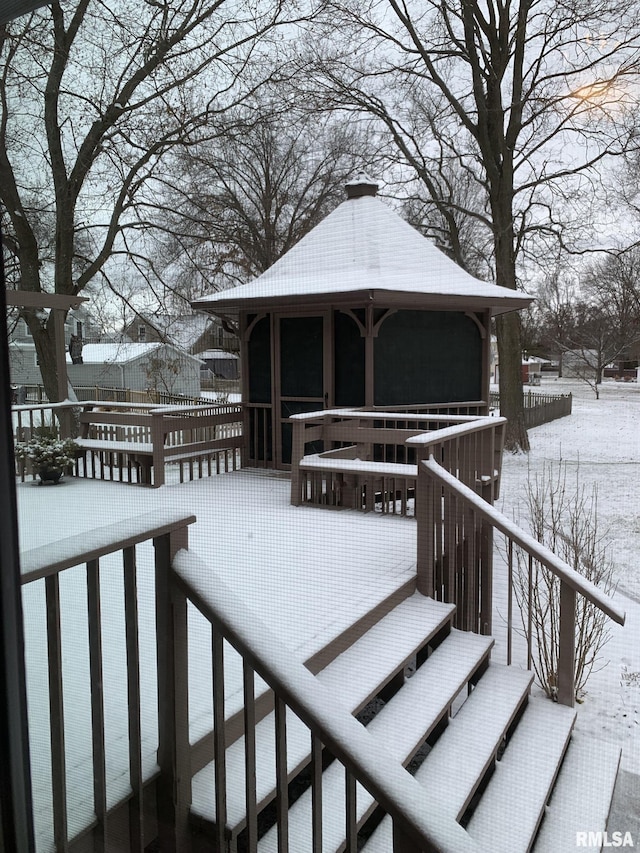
pixel 504 765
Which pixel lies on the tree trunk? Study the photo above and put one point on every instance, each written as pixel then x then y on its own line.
pixel 508 325
pixel 511 402
pixel 45 344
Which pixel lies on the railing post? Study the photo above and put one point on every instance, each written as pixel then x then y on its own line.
pixel 157 439
pixel 297 452
pixel 174 782
pixel 425 517
pixel 567 650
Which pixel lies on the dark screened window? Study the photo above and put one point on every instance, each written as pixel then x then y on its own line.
pixel 349 361
pixel 301 345
pixel 427 357
pixel 260 362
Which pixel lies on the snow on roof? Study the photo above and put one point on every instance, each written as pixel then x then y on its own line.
pixel 182 331
pixel 363 246
pixel 217 353
pixel 122 353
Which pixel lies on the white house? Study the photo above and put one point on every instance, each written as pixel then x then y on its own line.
pixel 139 367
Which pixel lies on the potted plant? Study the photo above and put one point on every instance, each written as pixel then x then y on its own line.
pixel 48 454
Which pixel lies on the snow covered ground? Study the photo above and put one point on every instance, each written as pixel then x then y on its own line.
pixel 310 567
pixel 600 443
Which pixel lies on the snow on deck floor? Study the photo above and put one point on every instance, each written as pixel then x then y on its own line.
pixel 307 572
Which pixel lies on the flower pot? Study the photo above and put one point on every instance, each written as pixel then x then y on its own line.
pixel 49 475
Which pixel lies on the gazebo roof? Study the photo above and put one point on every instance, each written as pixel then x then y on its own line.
pixel 360 253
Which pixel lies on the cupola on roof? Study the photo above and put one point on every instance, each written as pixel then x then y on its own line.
pixel 364 252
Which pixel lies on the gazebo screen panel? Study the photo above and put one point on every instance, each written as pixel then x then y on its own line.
pixel 301 356
pixel 427 357
pixel 259 352
pixel 349 361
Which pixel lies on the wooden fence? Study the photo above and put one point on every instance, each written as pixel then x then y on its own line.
pixel 540 408
pixel 36 394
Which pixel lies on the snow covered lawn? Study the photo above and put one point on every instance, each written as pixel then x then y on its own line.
pixel 600 443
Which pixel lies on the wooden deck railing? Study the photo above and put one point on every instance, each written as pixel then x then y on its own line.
pixel 296 690
pixel 133 442
pixel 367 459
pixel 109 800
pixel 455 554
pixel 144 797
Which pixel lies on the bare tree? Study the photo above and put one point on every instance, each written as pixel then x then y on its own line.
pixel 613 283
pixel 598 338
pixel 556 300
pixel 529 97
pixel 93 100
pixel 237 203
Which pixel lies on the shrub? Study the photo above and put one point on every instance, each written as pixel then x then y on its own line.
pixel 566 521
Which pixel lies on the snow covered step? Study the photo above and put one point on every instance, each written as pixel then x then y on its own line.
pixel 402 725
pixel 582 796
pixel 468 746
pixel 203 806
pixel 458 761
pixel 512 806
pixel 373 660
pixel 356 676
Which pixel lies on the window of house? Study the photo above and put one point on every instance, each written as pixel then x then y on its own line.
pixel 142 333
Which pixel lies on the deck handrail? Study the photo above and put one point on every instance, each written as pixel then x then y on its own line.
pixel 572 583
pixel 381 415
pixel 95 808
pixel 37 562
pixel 529 543
pixel 471 444
pixel 350 742
pixel 427 439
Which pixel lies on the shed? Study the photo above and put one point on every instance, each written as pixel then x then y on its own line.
pixel 139 367
pixel 362 311
pixel 221 363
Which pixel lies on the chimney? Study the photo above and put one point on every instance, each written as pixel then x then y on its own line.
pixel 360 186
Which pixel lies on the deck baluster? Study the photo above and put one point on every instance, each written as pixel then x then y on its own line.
pixel 351 812
pixel 567 650
pixel 316 794
pixel 250 756
pixel 136 812
pixel 97 703
pixel 56 714
pixel 282 796
pixel 219 736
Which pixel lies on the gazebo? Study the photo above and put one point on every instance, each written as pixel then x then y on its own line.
pixel 363 312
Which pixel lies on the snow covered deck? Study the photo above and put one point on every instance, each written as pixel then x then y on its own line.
pixel 298 567
pixel 308 575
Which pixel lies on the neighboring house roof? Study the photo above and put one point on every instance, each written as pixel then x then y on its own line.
pixel 218 353
pixel 365 249
pixel 124 352
pixel 183 332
